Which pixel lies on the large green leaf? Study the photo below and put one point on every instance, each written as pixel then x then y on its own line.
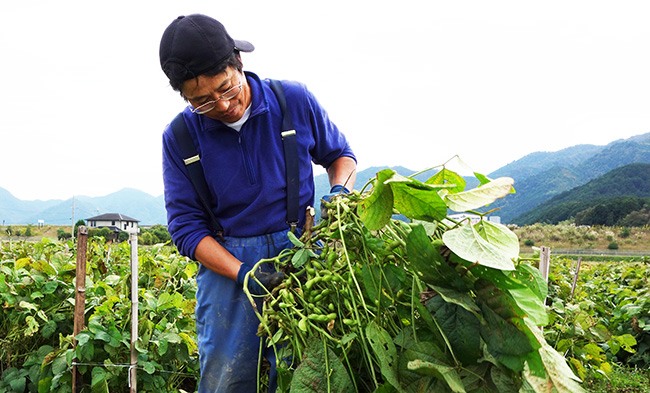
pixel 448 178
pixel 509 314
pixel 320 371
pixel 98 384
pixel 559 377
pixel 427 262
pixel 509 345
pixel 385 351
pixel 417 200
pixel 376 209
pixel 531 305
pixel 448 373
pixel 526 289
pixel 18 384
pixel 411 380
pixel 503 381
pixel 462 299
pixel 532 277
pixel 485 243
pixel 461 327
pixel 480 196
pixel 373 285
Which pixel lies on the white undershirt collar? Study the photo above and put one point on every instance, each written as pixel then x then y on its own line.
pixel 239 123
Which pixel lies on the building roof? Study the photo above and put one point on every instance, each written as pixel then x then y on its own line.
pixel 112 217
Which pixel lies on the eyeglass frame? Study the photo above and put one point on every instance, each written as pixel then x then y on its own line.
pixel 221 97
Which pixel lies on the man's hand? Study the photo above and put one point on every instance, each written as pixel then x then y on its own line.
pixel 336 190
pixel 268 280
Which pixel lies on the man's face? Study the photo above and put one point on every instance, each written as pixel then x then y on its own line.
pixel 204 89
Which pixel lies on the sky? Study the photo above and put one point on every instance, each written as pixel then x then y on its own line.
pixel 412 83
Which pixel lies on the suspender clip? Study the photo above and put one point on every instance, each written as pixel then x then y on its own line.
pixel 293 226
pixel 287 133
pixel 191 160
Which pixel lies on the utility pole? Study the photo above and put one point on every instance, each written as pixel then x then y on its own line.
pixel 72 217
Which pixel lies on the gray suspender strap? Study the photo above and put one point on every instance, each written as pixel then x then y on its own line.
pixel 290 145
pixel 192 162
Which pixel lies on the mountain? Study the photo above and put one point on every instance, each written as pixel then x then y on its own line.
pixel 539 162
pixel 14 210
pixel 538 177
pixel 146 208
pixel 556 172
pixel 624 189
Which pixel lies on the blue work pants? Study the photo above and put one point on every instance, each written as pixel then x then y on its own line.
pixel 226 322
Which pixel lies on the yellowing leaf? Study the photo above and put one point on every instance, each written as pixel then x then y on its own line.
pixel 448 178
pixel 605 367
pixel 192 348
pixel 22 262
pixel 480 196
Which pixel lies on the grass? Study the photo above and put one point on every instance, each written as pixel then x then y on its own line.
pixel 569 236
pixel 621 380
pixel 49 231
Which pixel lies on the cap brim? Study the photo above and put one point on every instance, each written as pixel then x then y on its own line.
pixel 244 46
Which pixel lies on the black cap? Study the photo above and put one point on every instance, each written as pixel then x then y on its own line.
pixel 194 44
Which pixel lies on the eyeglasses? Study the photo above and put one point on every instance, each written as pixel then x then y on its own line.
pixel 210 105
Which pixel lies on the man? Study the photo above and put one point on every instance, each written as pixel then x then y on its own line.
pixel 234 120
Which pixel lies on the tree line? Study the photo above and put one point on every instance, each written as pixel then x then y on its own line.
pixel 147 236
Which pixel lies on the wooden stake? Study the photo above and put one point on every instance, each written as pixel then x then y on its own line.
pixel 80 299
pixel 544 265
pixel 133 382
pixel 544 261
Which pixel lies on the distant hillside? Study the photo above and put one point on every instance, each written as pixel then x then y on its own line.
pixel 539 162
pixel 573 170
pixel 538 177
pixel 624 189
pixel 131 202
pixel 15 211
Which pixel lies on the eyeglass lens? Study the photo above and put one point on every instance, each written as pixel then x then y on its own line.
pixel 228 95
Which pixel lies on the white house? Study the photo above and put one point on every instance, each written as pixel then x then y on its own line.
pixel 114 221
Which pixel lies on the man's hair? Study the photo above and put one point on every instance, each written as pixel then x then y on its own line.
pixel 233 61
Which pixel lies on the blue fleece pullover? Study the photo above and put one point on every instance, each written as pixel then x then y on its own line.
pixel 245 170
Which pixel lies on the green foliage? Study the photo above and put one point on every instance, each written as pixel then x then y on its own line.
pixel 76 227
pixel 624 233
pixel 606 200
pixel 425 306
pixel 36 320
pixel 610 212
pixel 529 243
pixel 638 218
pixel 606 323
pixel 621 379
pixel 105 233
pixel 154 235
pixel 613 246
pixel 28 230
pixel 62 235
pixel 122 236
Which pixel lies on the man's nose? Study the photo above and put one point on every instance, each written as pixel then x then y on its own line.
pixel 223 105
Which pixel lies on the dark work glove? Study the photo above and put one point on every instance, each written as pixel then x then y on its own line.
pixel 336 190
pixel 268 280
